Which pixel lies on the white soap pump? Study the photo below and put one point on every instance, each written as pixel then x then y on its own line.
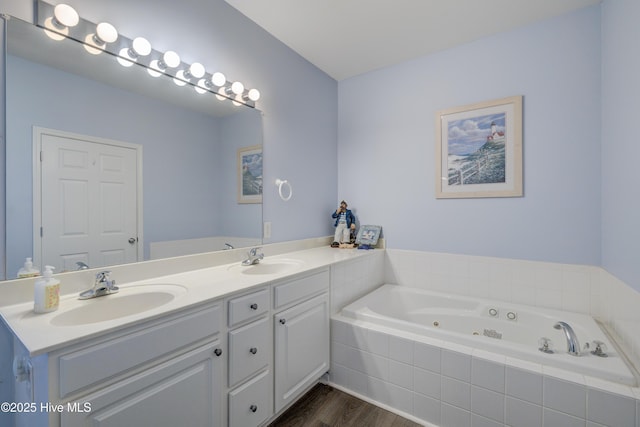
pixel 28 270
pixel 46 292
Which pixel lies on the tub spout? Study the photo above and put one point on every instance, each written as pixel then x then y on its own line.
pixel 573 346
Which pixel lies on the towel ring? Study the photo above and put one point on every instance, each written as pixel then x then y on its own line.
pixel 281 183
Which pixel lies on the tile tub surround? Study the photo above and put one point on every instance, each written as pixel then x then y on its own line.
pixel 443 384
pixel 355 279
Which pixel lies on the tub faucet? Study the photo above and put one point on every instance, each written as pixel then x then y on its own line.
pixel 573 346
pixel 253 256
pixel 103 285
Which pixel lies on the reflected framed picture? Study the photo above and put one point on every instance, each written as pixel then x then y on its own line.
pixel 250 174
pixel 479 150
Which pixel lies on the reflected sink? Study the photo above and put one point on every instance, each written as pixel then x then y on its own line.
pixel 128 301
pixel 276 266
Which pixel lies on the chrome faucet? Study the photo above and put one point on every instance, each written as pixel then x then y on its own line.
pixel 81 266
pixel 573 346
pixel 103 285
pixel 253 256
pixel 228 246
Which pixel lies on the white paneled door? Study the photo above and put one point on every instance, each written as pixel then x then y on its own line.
pixel 89 200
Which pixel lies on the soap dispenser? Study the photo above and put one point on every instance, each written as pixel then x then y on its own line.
pixel 28 270
pixel 47 292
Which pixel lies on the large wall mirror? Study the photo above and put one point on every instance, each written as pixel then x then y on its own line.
pixel 98 153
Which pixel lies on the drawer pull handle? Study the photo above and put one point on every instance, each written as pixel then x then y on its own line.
pixel 283 321
pixel 253 408
pixel 253 306
pixel 217 352
pixel 253 350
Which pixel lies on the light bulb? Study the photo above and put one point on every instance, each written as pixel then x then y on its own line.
pixel 202 87
pixel 106 32
pixel 180 78
pixel 237 88
pixel 170 59
pixel 254 94
pixel 221 94
pixel 57 26
pixel 124 58
pixel 218 79
pixel 196 70
pixel 65 15
pixel 154 69
pixel 54 32
pixel 90 45
pixel 141 46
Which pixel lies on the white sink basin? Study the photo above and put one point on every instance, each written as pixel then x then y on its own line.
pixel 128 301
pixel 275 266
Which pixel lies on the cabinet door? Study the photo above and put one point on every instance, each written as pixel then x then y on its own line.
pixel 301 348
pixel 185 391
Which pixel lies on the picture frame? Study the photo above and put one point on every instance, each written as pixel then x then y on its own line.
pixel 250 174
pixel 479 150
pixel 368 235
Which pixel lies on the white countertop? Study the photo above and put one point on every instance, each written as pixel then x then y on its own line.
pixel 39 335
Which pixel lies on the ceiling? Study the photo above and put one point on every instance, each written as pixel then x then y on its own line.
pixel 345 38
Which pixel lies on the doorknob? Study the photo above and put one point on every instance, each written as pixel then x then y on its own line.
pixel 132 240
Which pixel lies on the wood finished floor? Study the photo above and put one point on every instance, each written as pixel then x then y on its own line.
pixel 324 406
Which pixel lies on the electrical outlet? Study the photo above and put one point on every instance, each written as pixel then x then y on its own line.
pixel 267 230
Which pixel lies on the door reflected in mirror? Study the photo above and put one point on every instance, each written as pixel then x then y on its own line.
pixel 61 102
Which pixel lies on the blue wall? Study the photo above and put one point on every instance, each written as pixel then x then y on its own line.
pixel 620 142
pixel 386 145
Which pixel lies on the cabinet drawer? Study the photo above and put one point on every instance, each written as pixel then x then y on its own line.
pixel 249 349
pixel 99 362
pixel 248 306
pixel 250 404
pixel 300 288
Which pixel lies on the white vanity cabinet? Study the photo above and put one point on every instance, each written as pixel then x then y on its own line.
pixel 236 359
pixel 249 373
pixel 165 372
pixel 301 335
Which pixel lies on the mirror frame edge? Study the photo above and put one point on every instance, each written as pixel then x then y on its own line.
pixel 3 146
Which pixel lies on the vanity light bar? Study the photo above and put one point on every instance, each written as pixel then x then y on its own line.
pixel 62 21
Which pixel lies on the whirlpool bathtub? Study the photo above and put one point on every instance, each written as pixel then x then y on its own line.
pixel 511 330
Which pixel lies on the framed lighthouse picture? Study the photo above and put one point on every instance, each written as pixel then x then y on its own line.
pixel 479 150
